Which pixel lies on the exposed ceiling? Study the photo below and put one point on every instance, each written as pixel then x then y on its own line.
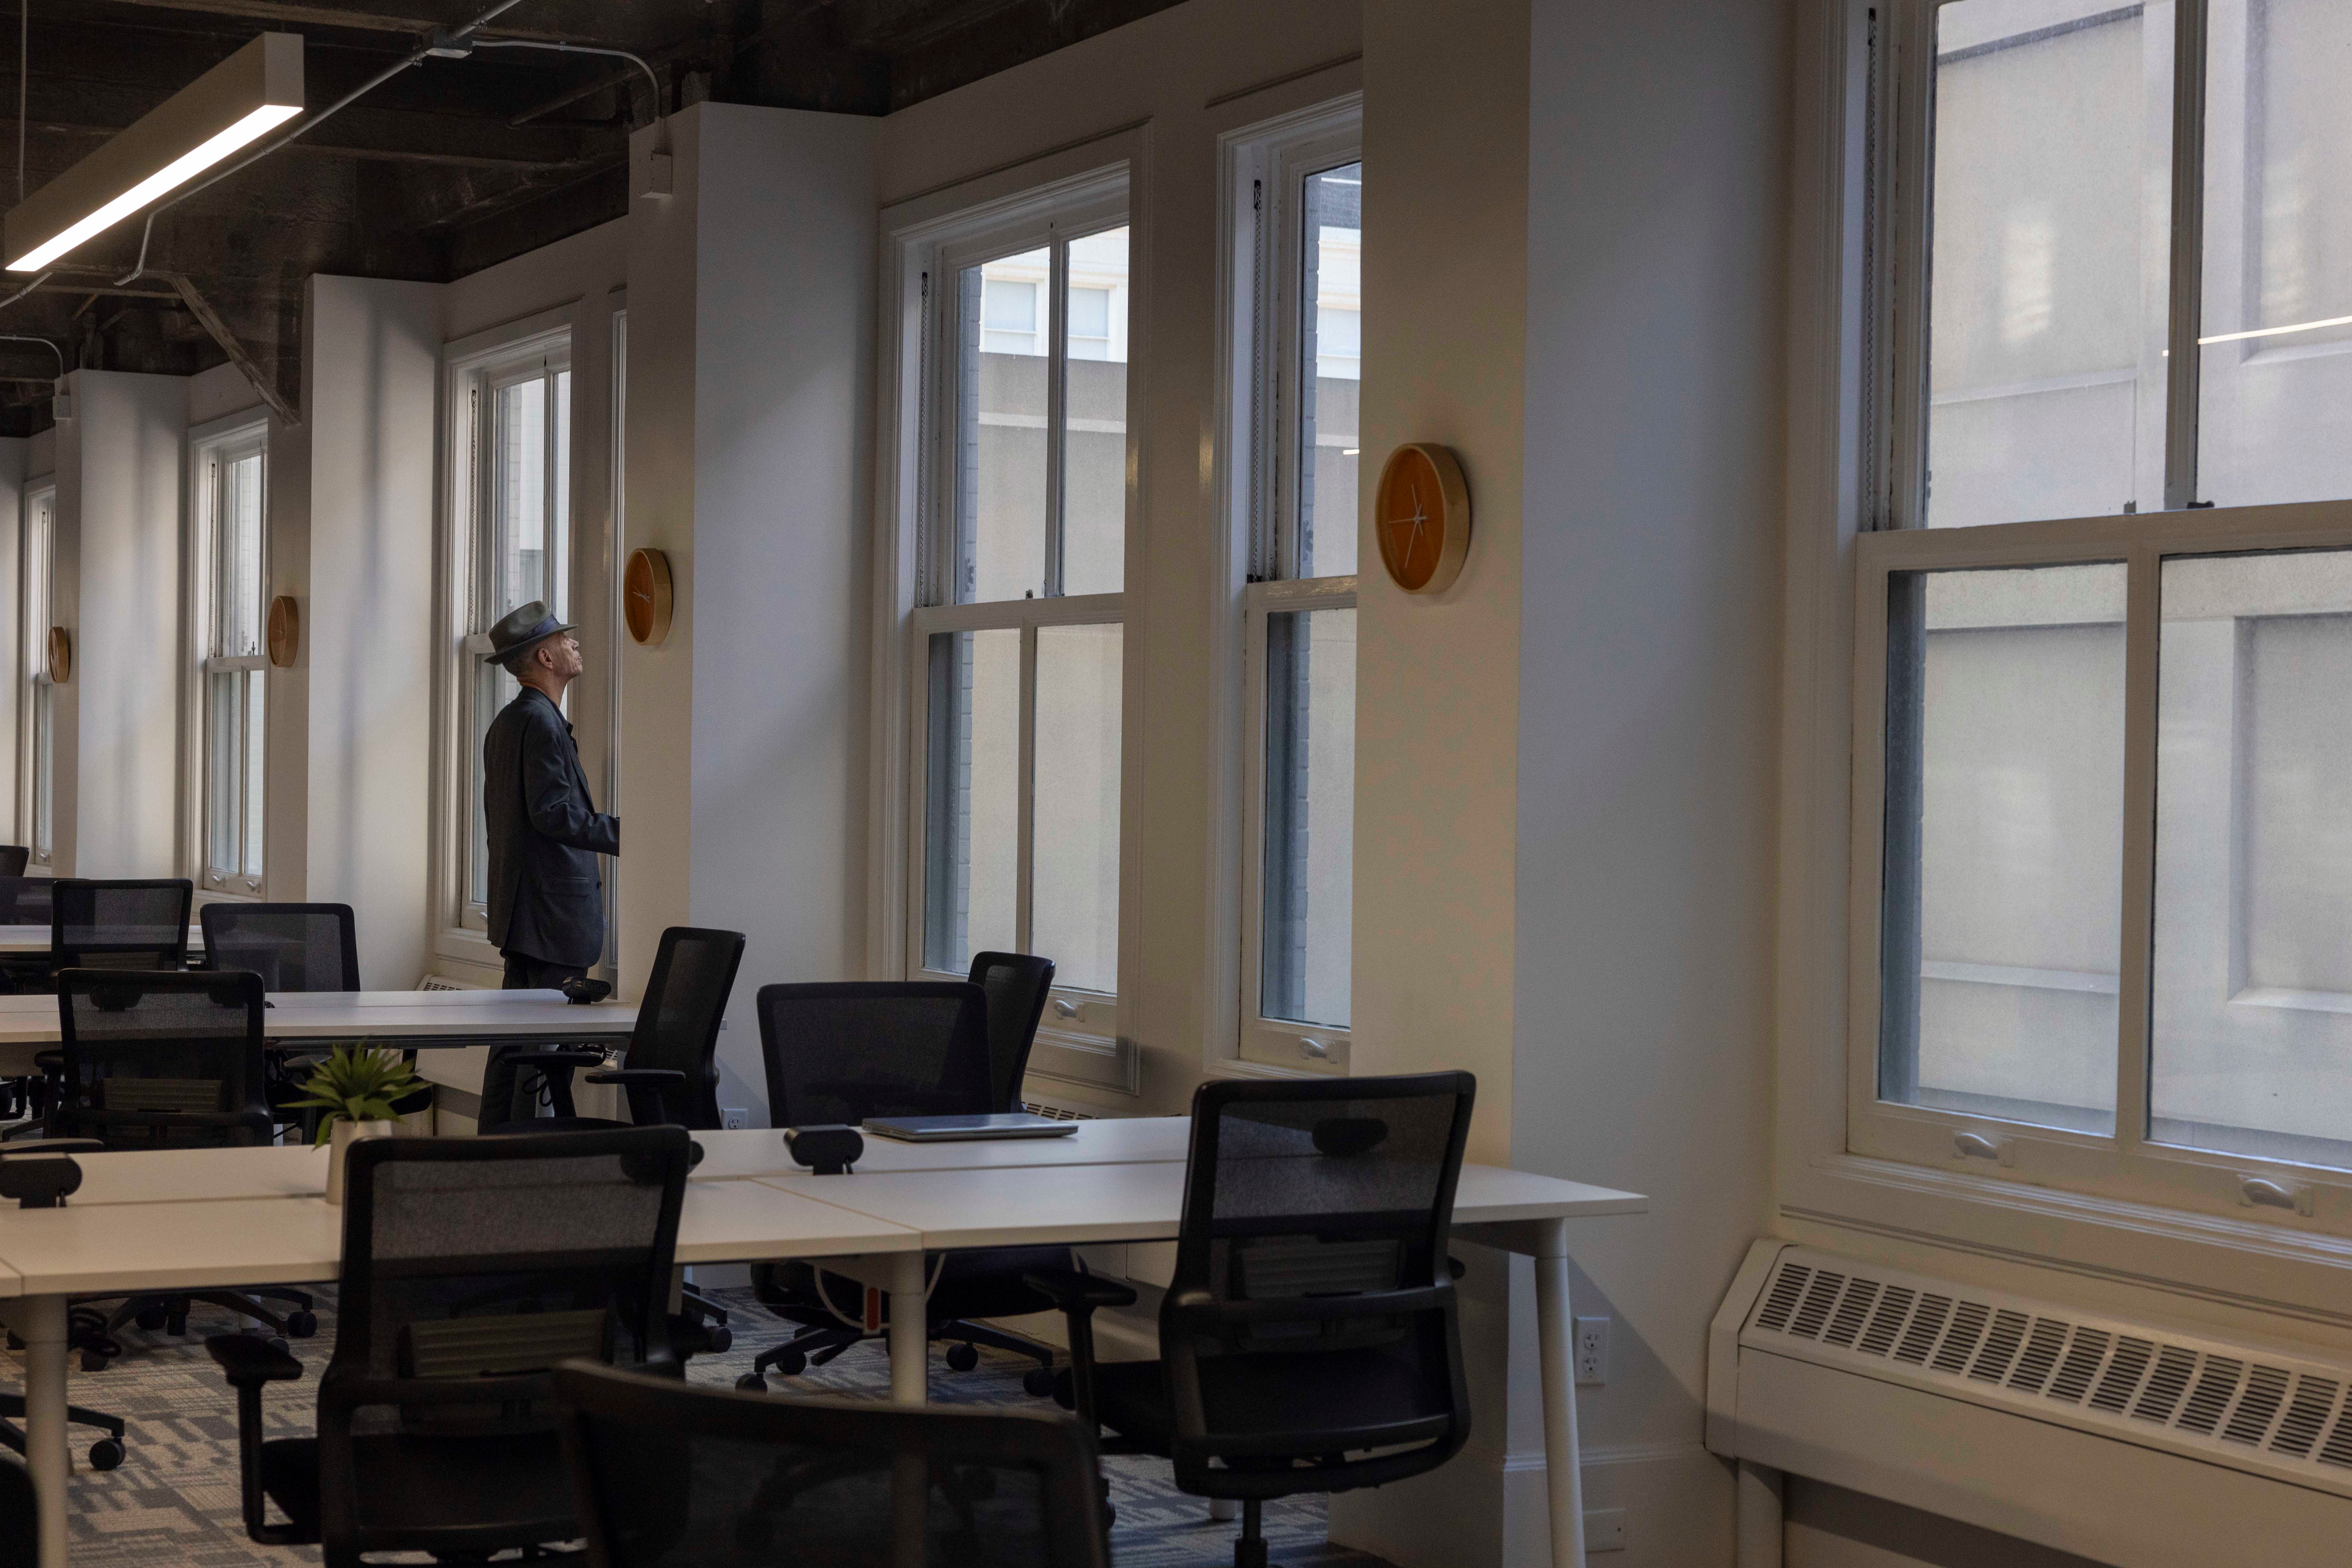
pixel 444 169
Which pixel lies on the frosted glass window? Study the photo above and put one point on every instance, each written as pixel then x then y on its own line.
pixel 2051 203
pixel 1307 887
pixel 2004 842
pixel 235 666
pixel 972 855
pixel 1074 826
pixel 2251 1048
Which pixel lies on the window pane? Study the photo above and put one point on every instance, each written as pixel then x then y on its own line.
pixel 1094 450
pixel 1331 341
pixel 237 560
pixel 1074 889
pixel 2050 214
pixel 971 852
pixel 2252 1006
pixel 2275 394
pixel 559 522
pixel 223 850
pixel 1310 815
pixel 1001 408
pixel 257 767
pixel 2004 842
pixel 518 498
pixel 45 768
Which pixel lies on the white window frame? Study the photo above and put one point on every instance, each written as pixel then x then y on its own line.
pixel 473 368
pixel 211 447
pixel 2120 1203
pixel 37 613
pixel 1083 1039
pixel 1264 167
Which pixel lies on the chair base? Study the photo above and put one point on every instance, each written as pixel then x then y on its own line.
pixel 104 1453
pixel 816 1344
pixel 92 1332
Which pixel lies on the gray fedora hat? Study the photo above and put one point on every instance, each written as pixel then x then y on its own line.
pixel 520 628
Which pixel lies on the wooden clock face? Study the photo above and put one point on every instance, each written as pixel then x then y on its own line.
pixel 645 596
pixel 285 631
pixel 1421 515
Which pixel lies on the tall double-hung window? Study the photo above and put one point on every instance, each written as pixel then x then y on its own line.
pixel 1298 191
pixel 38 748
pixel 2104 626
pixel 1018 647
pixel 231 601
pixel 514 492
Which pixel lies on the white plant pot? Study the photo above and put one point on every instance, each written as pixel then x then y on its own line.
pixel 345 1134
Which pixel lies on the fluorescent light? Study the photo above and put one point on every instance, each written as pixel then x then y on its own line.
pixel 170 177
pixel 235 103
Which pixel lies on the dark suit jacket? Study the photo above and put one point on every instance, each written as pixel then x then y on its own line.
pixel 546 897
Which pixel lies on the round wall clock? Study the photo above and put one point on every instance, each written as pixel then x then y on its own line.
pixel 645 596
pixel 61 655
pixel 285 631
pixel 1421 514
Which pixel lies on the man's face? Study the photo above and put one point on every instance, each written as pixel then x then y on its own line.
pixel 560 654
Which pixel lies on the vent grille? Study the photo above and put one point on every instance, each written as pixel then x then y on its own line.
pixel 2203 1397
pixel 1054 1112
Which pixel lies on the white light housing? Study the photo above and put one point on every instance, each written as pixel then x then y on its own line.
pixel 238 100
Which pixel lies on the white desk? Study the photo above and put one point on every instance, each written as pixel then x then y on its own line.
pixel 141 1225
pixel 425 1019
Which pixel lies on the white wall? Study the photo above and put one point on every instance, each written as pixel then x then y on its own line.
pixel 751 334
pixel 372 352
pixel 119 478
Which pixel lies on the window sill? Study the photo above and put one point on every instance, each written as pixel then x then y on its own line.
pixel 2271 1266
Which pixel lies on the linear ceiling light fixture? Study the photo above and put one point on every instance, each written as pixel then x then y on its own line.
pixel 230 106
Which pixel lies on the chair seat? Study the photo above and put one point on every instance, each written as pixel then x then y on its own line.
pixel 1266 1394
pixel 479 1492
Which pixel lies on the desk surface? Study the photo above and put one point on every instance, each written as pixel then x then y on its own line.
pixel 415 1017
pixel 1109 1142
pixel 16 940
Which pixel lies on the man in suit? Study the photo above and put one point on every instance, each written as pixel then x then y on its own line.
pixel 547 900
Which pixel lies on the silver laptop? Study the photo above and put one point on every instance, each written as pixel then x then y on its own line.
pixel 950 1129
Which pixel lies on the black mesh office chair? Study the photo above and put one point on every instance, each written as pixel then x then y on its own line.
pixel 20 1517
pixel 155 1059
pixel 293 947
pixel 1016 985
pixel 670 1071
pixel 672 1476
pixel 25 901
pixel 470 1267
pixel 14 859
pixel 120 924
pixel 843 1052
pixel 1310 1340
pixel 670 1074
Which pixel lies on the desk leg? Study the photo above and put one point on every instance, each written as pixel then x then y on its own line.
pixel 1556 1341
pixel 910 1344
pixel 41 1322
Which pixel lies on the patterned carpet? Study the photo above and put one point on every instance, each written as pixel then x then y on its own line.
pixel 174 1499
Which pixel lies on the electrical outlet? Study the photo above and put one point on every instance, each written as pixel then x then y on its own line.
pixel 1591 1350
pixel 734 1118
pixel 1605 1528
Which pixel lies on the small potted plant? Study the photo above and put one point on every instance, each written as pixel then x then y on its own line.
pixel 355 1090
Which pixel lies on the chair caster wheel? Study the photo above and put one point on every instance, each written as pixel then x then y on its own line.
pixel 718 1339
pixel 751 1382
pixel 278 1342
pixel 1039 1381
pixel 94 1361
pixel 962 1358
pixel 14 1343
pixel 792 1363
pixel 106 1453
pixel 175 1324
pixel 150 1318
pixel 301 1325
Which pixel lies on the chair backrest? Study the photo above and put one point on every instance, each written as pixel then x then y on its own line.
pixel 684 1001
pixel 20 1517
pixel 1016 984
pixel 667 1476
pixel 293 947
pixel 25 901
pixel 14 859
pixel 120 924
pixel 1316 1216
pixel 158 1058
pixel 470 1267
pixel 846 1050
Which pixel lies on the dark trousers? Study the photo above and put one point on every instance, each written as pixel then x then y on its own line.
pixel 508 1095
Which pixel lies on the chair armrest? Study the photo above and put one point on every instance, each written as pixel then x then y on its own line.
pixel 250 1363
pixel 1075 1292
pixel 650 1078
pixel 559 1056
pixel 50 1060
